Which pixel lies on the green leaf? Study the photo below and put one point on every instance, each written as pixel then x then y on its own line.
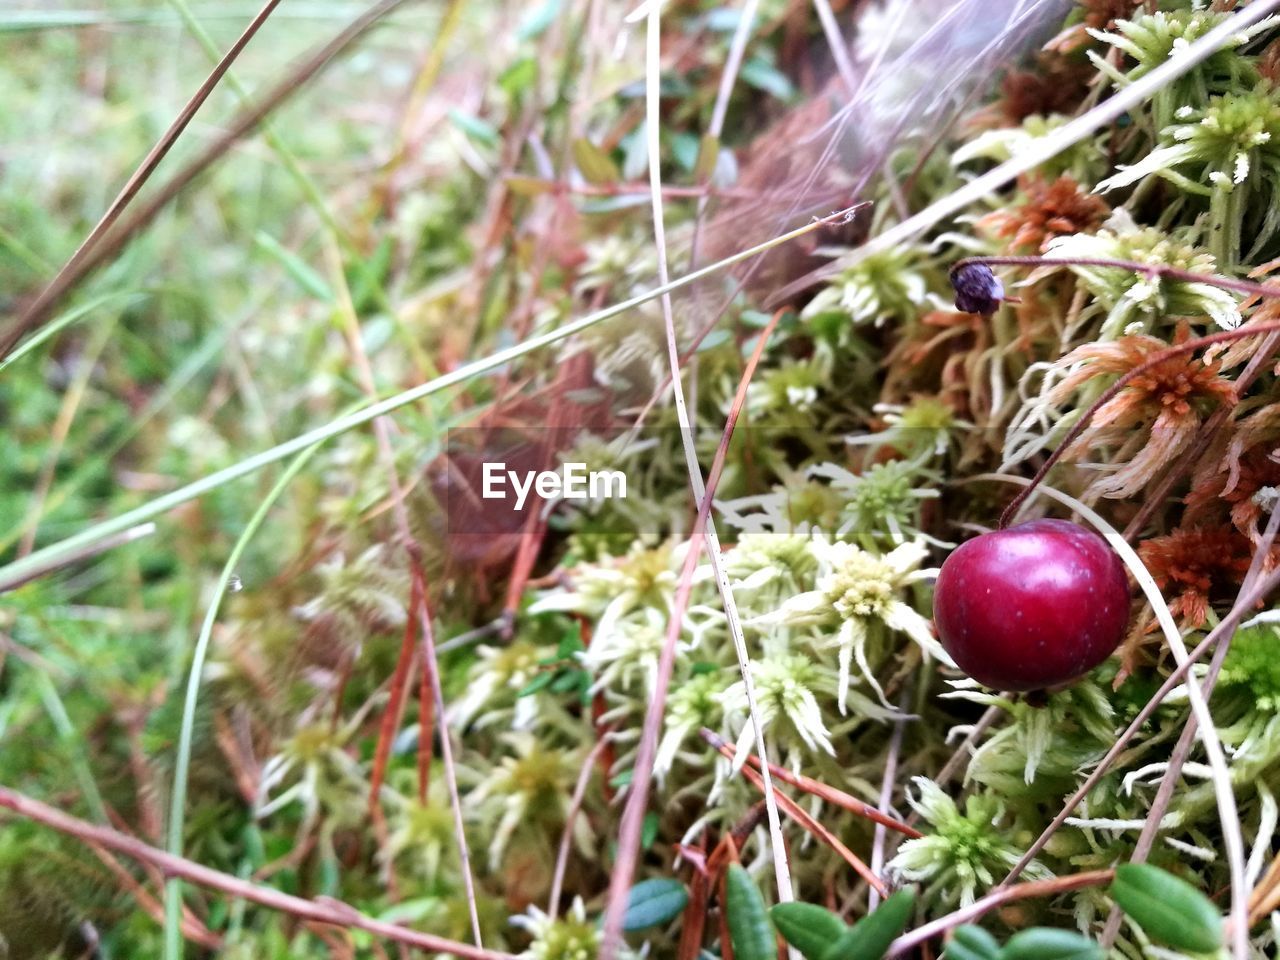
pixel 1042 943
pixel 654 902
pixel 635 152
pixel 1170 910
pixel 367 279
pixel 708 154
pixel 519 77
pixel 537 20
pixel 869 938
pixel 475 128
pixel 713 339
pixel 594 162
pixel 330 876
pixel 750 931
pixel 972 943
pixel 303 275
pixel 567 680
pixel 648 830
pixel 809 928
pixel 410 911
pixel 684 148
pixel 528 186
pixel 765 76
pixel 570 644
pixel 541 681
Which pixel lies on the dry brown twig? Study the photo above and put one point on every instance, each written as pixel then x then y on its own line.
pixel 704 532
pixel 815 827
pixel 566 836
pixel 633 814
pixel 888 783
pixel 112 236
pixel 65 277
pixel 997 898
pixel 832 795
pixel 326 910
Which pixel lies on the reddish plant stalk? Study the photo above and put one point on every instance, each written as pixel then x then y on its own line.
pixel 1001 896
pixel 816 787
pixel 321 910
pixel 426 729
pixel 800 816
pixel 391 716
pixel 629 832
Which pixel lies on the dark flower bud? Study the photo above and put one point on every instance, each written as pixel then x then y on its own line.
pixel 978 290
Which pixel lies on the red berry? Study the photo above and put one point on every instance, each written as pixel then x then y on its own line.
pixel 1032 606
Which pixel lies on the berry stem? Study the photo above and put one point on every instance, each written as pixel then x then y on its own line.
pixel 1247 287
pixel 1149 269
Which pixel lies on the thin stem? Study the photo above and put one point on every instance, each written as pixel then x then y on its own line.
pixel 127 227
pixel 419 605
pixel 980 908
pixel 1150 270
pixel 633 813
pixel 1169 782
pixel 838 45
pixel 325 910
pixel 887 784
pixel 57 554
pixel 702 493
pixel 566 835
pixel 182 766
pixel 811 824
pixel 832 795
pixel 67 275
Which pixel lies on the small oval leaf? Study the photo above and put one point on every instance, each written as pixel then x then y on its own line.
pixel 869 938
pixel 1170 910
pixel 750 932
pixel 971 943
pixel 653 902
pixel 528 186
pixel 1043 943
pixel 809 928
pixel 708 154
pixel 594 163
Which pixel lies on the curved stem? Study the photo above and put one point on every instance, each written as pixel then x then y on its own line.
pixel 177 807
pixel 323 910
pixel 1001 896
pixel 1247 287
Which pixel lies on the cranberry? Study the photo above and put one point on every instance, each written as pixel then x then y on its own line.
pixel 1032 606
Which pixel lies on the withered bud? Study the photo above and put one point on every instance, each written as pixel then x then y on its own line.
pixel 978 290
